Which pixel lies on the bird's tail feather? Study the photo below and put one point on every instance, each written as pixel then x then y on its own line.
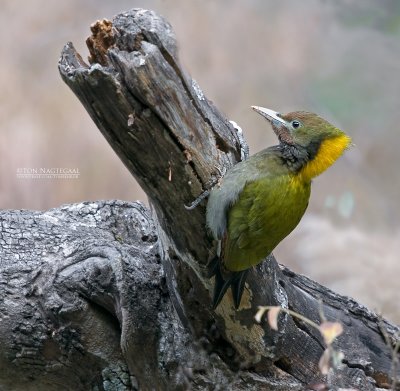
pixel 235 280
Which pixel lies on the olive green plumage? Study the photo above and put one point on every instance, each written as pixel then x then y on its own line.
pixel 262 199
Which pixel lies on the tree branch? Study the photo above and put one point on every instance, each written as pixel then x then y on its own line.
pixel 174 141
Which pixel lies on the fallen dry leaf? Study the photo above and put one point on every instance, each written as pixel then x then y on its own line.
pixel 330 330
pixel 273 314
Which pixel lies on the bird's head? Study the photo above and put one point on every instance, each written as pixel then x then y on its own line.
pixel 323 142
pixel 300 127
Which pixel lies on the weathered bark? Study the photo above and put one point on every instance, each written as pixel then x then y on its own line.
pixel 95 267
pixel 84 306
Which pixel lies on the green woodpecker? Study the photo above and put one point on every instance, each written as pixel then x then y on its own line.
pixel 262 199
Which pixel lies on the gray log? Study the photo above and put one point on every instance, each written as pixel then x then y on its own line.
pixel 97 296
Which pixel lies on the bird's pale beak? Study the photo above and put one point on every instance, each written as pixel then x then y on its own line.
pixel 279 125
pixel 270 115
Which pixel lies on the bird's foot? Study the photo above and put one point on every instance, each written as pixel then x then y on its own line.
pixel 244 154
pixel 197 201
pixel 209 186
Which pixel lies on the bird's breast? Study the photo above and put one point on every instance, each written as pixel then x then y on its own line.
pixel 267 210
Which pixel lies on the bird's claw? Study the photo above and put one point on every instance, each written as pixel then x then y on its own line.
pixel 197 201
pixel 244 154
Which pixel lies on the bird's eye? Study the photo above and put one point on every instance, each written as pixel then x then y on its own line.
pixel 296 124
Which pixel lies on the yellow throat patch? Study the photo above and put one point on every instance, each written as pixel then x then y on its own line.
pixel 329 151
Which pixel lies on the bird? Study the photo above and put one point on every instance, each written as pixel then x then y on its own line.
pixel 260 200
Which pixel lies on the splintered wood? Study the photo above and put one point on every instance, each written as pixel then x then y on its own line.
pixel 100 41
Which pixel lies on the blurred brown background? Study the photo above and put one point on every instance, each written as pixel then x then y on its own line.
pixel 340 59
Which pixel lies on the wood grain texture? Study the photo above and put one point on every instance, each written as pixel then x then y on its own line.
pixel 175 143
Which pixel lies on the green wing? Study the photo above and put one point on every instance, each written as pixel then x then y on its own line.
pixel 266 211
